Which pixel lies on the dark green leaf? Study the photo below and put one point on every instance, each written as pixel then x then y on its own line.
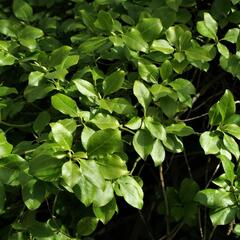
pixel 86 225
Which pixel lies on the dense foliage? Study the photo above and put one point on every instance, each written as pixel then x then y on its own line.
pixel 108 104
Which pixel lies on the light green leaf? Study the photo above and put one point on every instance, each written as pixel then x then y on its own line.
pixel 210 142
pixel 91 171
pixel 134 123
pixel 4 91
pixel 131 191
pixel 112 166
pixel 150 28
pixel 148 71
pixel 105 213
pixel 6 59
pixel 35 78
pixel 214 198
pixel 223 216
pixel 228 168
pixel 155 128
pixel 5 147
pixel 86 134
pixel 118 105
pixel 135 41
pixel 223 50
pixel 158 153
pixel 86 225
pixel 113 82
pixel 103 197
pixel 92 44
pixel 179 129
pixel 232 35
pixel 33 194
pixel 166 70
pixel 162 45
pixel 28 35
pixel 231 145
pixel 22 10
pixel 142 94
pixel 61 135
pixel 173 143
pixel 104 141
pixel 65 104
pixel 104 21
pixel 104 121
pixel 71 173
pixel 232 129
pixel 208 27
pixel 143 143
pixel 58 56
pixel 85 88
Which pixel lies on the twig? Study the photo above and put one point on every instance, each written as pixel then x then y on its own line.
pixel 194 118
pixel 187 163
pixel 212 233
pixel 165 200
pixel 15 125
pixel 214 173
pixel 134 165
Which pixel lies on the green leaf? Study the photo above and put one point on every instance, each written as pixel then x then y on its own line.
pixel 150 28
pixel 5 147
pixel 105 213
pixel 85 88
pixel 143 143
pixel 33 194
pixel 142 94
pixel 103 197
pixel 71 173
pixel 86 225
pixel 118 105
pixel 208 27
pixel 6 59
pixel 22 10
pixel 188 190
pixel 92 44
pixel 166 70
pixel 85 191
pixel 214 198
pixel 148 71
pixel 134 40
pixel 134 123
pixel 174 4
pixel 210 142
pixel 61 135
pixel 232 35
pixel 158 153
pixel 4 91
pixel 162 45
pixel 45 167
pixel 91 171
pixel 155 128
pixel 59 56
pixel 159 91
pixel 104 21
pixel 41 121
pixel 2 198
pixel 104 121
pixel 113 82
pixel 173 143
pixel 112 166
pixel 223 50
pixel 228 167
pixel 104 141
pixel 179 129
pixel 86 134
pixel 232 129
pixel 223 216
pixel 65 105
pixel 131 191
pixel 231 145
pixel 28 35
pixel 169 106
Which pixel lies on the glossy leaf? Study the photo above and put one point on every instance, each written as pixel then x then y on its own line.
pixel 131 191
pixel 143 143
pixel 71 173
pixel 210 142
pixel 65 105
pixel 22 10
pixel 158 153
pixel 86 225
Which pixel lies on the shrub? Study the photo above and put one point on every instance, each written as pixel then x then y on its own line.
pixel 107 100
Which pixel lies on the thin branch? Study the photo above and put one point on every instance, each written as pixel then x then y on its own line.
pixel 15 125
pixel 194 118
pixel 165 200
pixel 134 165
